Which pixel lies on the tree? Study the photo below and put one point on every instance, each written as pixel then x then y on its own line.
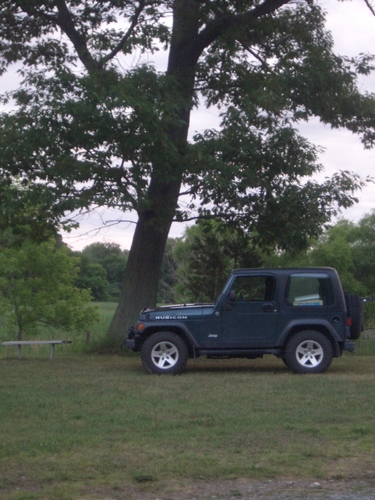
pixel 36 288
pixel 334 249
pixel 363 245
pixel 349 248
pixel 29 209
pixel 168 275
pixel 92 276
pixel 94 133
pixel 206 255
pixel 110 257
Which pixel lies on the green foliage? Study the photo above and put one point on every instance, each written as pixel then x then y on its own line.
pixel 29 210
pixel 100 135
pixel 36 288
pixel 363 243
pixel 349 248
pixel 206 255
pixel 92 276
pixel 107 257
pixel 168 273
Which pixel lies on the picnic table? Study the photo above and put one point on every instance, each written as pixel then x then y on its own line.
pixel 20 343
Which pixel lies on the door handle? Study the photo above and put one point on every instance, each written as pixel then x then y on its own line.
pixel 269 307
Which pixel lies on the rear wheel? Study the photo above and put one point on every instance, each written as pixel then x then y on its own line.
pixel 308 352
pixel 164 353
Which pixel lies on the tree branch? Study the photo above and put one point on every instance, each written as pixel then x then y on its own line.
pixel 370 7
pixel 254 54
pixel 219 25
pixel 126 37
pixel 65 21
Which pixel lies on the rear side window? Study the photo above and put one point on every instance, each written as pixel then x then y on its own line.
pixel 309 290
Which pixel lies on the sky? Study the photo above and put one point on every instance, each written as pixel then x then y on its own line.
pixel 353 29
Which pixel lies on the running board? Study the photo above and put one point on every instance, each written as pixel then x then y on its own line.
pixel 237 353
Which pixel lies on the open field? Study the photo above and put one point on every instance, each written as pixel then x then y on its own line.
pixel 89 426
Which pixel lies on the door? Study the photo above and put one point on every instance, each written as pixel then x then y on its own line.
pixel 250 313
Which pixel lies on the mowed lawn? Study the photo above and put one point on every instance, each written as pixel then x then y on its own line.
pixel 91 426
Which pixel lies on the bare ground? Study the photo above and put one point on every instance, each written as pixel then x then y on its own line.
pixel 359 489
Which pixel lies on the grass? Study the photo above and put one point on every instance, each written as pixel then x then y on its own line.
pixel 89 426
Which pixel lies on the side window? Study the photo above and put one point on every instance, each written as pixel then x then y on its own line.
pixel 254 288
pixel 309 290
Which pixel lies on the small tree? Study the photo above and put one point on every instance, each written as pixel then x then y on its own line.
pixel 209 251
pixel 92 276
pixel 113 259
pixel 168 275
pixel 36 288
pixel 363 243
pixel 348 247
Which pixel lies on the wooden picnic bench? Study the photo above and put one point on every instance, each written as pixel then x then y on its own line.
pixel 52 343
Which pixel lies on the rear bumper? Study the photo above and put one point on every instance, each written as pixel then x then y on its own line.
pixel 349 346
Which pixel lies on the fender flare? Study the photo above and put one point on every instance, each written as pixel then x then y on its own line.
pixel 310 324
pixel 174 327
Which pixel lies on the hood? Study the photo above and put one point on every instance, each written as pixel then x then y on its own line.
pixel 177 312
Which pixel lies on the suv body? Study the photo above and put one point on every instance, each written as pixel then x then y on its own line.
pixel 298 314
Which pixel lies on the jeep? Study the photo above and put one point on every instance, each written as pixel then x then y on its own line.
pixel 300 315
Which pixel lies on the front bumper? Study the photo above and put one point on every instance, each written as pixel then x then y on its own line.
pixel 130 343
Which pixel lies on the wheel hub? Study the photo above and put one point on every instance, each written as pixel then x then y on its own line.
pixel 309 353
pixel 164 355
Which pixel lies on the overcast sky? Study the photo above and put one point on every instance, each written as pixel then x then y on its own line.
pixel 353 29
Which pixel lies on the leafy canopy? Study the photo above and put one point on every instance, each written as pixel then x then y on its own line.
pixel 94 128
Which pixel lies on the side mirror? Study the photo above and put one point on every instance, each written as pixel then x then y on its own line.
pixel 232 296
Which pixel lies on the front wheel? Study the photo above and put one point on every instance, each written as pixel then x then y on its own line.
pixel 308 352
pixel 164 353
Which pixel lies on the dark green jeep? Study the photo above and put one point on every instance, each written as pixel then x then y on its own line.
pixel 300 315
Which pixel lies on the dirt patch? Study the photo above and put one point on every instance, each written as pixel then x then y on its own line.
pixel 361 489
pixel 368 334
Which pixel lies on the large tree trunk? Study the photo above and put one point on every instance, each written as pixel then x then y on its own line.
pixel 141 280
pixel 145 258
pixel 157 211
pixel 141 276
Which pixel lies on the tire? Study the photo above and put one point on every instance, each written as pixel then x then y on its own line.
pixel 308 352
pixel 354 306
pixel 164 353
pixel 284 361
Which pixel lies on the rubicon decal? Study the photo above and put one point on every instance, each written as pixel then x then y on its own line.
pixel 171 317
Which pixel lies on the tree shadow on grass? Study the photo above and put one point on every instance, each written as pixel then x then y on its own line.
pixel 267 364
pixel 237 365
